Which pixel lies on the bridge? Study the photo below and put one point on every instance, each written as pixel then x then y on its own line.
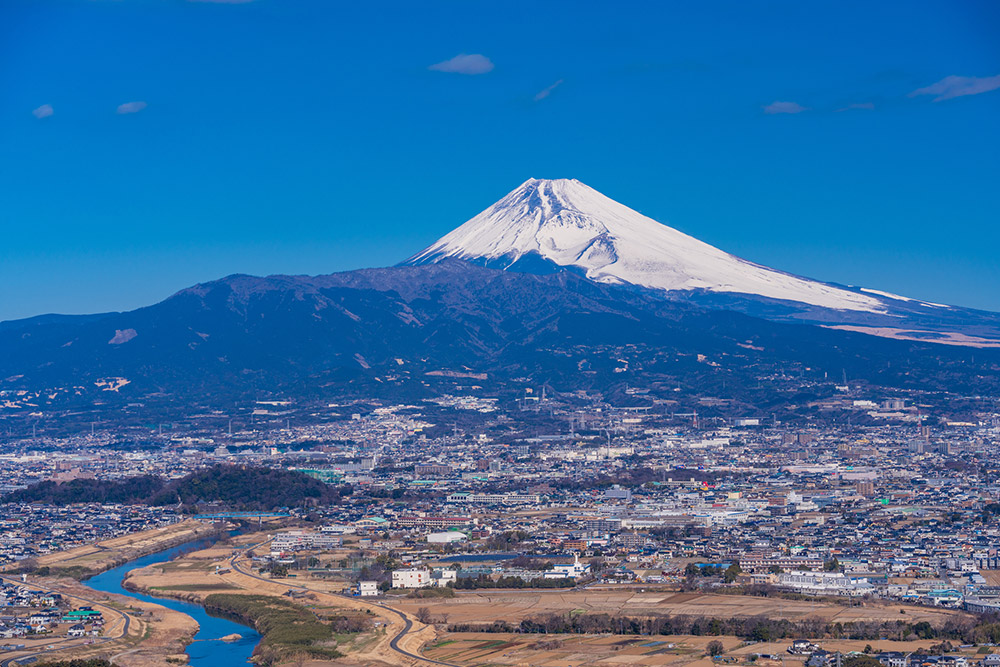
pixel 242 515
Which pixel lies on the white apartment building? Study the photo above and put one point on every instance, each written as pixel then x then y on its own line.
pixel 494 498
pixel 825 583
pixel 367 588
pixel 443 577
pixel 411 578
pixel 298 540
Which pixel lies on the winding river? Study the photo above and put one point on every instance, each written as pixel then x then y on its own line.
pixel 206 650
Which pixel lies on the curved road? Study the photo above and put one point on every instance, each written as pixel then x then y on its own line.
pixel 100 640
pixel 393 643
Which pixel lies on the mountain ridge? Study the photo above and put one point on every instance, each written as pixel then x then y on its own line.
pixel 546 226
pixel 389 331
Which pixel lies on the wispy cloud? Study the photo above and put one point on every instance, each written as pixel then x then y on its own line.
pixel 472 63
pixel 545 92
pixel 959 86
pixel 43 111
pixel 784 107
pixel 131 107
pixel 858 105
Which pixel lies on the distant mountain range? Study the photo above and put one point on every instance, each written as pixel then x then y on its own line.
pixel 555 283
pixel 387 332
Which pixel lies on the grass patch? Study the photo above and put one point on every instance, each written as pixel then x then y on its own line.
pixel 77 662
pixel 78 572
pixel 221 586
pixel 436 592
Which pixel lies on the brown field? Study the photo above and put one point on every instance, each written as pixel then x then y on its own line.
pixel 992 576
pixel 472 648
pixel 514 605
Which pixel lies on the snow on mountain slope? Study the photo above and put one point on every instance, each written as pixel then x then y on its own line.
pixel 572 225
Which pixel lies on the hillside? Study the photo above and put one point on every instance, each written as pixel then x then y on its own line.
pixel 384 332
pixel 246 488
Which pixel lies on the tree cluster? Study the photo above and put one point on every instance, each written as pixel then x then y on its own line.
pixel 755 628
pixel 248 488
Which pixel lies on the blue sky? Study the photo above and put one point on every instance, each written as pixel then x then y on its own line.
pixel 146 145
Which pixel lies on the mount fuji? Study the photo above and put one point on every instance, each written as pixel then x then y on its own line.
pixel 555 281
pixel 546 226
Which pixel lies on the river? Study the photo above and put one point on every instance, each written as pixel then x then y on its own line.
pixel 206 650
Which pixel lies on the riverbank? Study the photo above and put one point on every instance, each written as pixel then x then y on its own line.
pixel 215 642
pixel 288 630
pixel 158 636
pixel 91 559
pixel 394 639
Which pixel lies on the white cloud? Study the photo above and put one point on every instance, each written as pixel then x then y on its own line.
pixel 959 86
pixel 43 111
pixel 545 92
pixel 858 105
pixel 474 63
pixel 784 107
pixel 131 107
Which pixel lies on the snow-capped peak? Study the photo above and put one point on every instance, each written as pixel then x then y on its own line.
pixel 570 224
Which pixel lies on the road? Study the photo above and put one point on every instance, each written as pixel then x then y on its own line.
pixel 127 620
pixel 407 625
pixel 393 643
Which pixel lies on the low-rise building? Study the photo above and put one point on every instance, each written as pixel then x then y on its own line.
pixel 411 578
pixel 367 588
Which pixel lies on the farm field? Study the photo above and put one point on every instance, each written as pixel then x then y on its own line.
pixel 515 605
pixel 473 648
